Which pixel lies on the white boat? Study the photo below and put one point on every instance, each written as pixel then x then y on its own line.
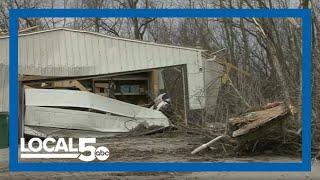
pixel 82 110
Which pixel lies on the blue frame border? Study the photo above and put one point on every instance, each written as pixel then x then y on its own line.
pixel 304 14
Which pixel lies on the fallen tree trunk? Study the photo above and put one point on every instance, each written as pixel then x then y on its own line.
pixel 273 113
pixel 252 127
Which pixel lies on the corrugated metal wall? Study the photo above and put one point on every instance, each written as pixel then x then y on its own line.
pixel 66 52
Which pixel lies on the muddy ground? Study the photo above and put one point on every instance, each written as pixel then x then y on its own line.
pixel 166 147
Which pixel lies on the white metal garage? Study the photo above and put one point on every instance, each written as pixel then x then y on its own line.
pixel 65 52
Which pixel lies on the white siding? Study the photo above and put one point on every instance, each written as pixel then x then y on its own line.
pixel 64 52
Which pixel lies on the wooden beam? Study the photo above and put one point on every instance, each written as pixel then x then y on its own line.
pixel 69 84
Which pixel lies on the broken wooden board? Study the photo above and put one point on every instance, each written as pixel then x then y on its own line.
pixel 252 121
pixel 69 84
pixel 246 129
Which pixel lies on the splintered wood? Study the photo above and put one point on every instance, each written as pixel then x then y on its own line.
pixel 252 121
pixel 251 126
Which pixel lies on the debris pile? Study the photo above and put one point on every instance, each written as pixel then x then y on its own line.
pixel 248 129
pixel 257 122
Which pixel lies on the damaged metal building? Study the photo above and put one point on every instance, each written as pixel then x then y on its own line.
pixel 96 59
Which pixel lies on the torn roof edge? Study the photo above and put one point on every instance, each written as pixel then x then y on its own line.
pixel 106 36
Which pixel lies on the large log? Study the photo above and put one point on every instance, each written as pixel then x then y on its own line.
pixel 253 125
pixel 257 120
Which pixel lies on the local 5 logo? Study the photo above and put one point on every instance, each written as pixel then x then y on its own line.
pixel 38 149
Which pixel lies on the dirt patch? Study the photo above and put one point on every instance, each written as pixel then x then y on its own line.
pixel 169 147
pixel 166 147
